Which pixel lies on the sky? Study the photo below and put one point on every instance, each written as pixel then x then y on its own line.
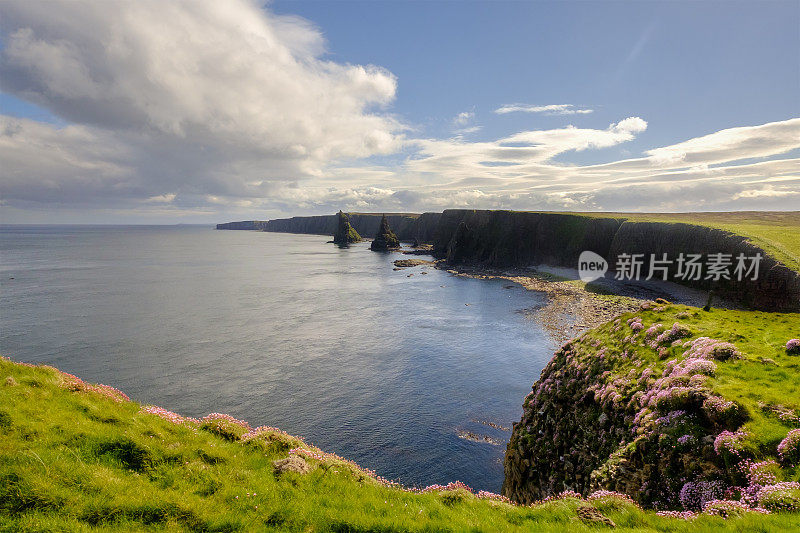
pixel 206 111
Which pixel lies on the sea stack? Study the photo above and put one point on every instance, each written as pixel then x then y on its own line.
pixel 385 239
pixel 345 234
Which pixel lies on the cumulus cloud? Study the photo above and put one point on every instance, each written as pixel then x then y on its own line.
pixel 551 109
pixel 206 97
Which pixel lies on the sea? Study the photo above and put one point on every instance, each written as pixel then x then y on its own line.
pixel 417 374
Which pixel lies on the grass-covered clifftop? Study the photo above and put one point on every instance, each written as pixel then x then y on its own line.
pixel 82 457
pixel 777 232
pixel 672 405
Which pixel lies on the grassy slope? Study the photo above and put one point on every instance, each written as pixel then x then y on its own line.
pixel 79 461
pixel 749 381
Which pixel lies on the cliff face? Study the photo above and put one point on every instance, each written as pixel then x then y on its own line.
pixel 776 288
pixel 511 238
pixel 256 225
pixel 406 227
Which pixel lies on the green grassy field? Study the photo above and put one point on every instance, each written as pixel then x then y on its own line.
pixel 79 458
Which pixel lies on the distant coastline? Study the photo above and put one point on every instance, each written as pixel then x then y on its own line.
pixel 502 239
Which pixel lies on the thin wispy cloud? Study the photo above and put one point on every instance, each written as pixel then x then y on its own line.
pixel 551 109
pixel 463 118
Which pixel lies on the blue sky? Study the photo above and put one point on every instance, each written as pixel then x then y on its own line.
pixel 689 68
pixel 156 122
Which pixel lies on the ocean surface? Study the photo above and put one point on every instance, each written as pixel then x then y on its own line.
pixel 282 330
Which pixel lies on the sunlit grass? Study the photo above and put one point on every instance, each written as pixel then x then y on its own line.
pixel 80 461
pixel 777 233
pixel 765 376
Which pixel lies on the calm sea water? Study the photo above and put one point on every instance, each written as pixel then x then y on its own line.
pixel 281 330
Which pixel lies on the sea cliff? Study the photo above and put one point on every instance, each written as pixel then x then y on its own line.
pixel 407 227
pixel 497 238
pixel 511 238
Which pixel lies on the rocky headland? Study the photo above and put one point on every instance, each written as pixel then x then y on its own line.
pixel 674 406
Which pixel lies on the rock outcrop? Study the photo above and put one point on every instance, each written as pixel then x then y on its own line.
pixel 385 239
pixel 632 407
pixel 345 234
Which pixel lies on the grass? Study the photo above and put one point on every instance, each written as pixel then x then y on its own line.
pixel 80 458
pixel 763 378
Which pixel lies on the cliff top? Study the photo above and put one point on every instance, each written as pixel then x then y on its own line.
pixel 76 456
pixel 776 232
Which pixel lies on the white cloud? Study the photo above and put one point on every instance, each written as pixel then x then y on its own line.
pixel 204 97
pixel 220 108
pixel 459 158
pixel 470 129
pixel 732 144
pixel 551 109
pixel 162 198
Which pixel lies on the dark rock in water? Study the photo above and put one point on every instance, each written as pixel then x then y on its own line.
pixel 345 234
pixel 385 239
pixel 475 437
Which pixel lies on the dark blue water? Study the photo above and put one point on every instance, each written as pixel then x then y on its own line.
pixel 281 330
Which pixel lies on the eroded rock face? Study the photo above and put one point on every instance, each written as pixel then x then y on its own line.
pixel 385 239
pixel 345 234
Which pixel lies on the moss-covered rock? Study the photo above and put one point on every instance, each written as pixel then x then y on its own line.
pixel 385 239
pixel 345 234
